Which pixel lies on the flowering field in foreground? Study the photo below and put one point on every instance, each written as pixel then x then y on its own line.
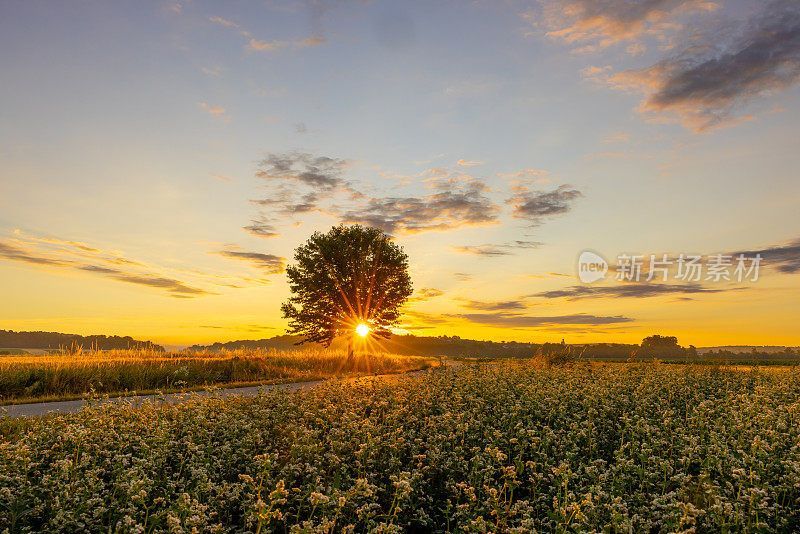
pixel 513 448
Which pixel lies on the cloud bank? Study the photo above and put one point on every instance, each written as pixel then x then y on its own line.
pixel 706 83
pixel 454 205
pixel 715 64
pixel 298 183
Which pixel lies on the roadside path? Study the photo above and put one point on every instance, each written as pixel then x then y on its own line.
pixel 62 407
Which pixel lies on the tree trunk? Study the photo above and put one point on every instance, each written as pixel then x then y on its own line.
pixel 350 356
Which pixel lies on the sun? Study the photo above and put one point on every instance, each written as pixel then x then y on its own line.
pixel 362 330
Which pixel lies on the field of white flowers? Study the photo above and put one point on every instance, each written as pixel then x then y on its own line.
pixel 510 448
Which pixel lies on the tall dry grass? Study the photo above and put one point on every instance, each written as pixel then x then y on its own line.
pixel 65 375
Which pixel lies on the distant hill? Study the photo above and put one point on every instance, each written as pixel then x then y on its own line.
pixel 56 340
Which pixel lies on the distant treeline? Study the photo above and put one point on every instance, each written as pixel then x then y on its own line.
pixel 450 346
pixel 276 343
pixel 406 345
pixel 662 348
pixel 56 340
pixel 787 354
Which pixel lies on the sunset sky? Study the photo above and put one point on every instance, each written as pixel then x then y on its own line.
pixel 159 162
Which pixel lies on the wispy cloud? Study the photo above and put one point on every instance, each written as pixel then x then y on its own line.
pixel 77 248
pixel 592 25
pixel 598 75
pixel 212 71
pixel 269 262
pixel 266 46
pixel 316 171
pixel 168 284
pixel 11 252
pixel 174 288
pixel 535 206
pixel 271 46
pixel 550 275
pixel 223 22
pixel 783 258
pixel 513 320
pixel 619 137
pixel 229 24
pixel 298 182
pixel 237 327
pixel 527 174
pixel 259 45
pixel 640 290
pixel 504 249
pixel 427 318
pixel 177 5
pixel 426 293
pixel 310 42
pixel 463 163
pixel 262 228
pixel 501 305
pixel 216 111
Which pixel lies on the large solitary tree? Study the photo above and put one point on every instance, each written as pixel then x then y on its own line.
pixel 350 279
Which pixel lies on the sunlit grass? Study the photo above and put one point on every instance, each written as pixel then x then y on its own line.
pixel 63 375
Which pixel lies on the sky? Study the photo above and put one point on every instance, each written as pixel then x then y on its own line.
pixel 160 161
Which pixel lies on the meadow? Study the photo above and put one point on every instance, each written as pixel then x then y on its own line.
pixel 515 447
pixel 65 375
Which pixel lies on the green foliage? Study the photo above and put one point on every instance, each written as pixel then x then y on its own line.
pixel 349 275
pixel 603 448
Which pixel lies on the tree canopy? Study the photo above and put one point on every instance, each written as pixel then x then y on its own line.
pixel 657 341
pixel 349 276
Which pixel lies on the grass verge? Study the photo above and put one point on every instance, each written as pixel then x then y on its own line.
pixel 73 376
